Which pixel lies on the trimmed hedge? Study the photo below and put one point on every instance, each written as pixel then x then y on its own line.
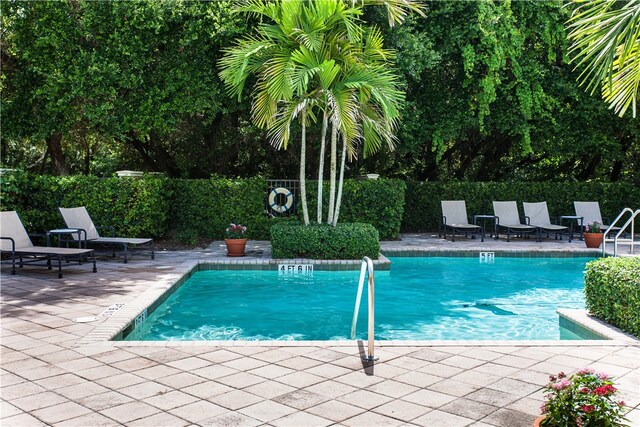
pixel 377 202
pixel 206 207
pixel 424 198
pixel 612 291
pixel 344 241
pixel 135 207
pixel 153 205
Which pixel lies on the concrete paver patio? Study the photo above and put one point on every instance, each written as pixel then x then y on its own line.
pixel 50 376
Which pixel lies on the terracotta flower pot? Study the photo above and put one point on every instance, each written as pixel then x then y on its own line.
pixel 538 420
pixel 235 247
pixel 592 240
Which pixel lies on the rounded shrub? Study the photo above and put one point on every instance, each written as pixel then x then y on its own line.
pixel 612 291
pixel 344 241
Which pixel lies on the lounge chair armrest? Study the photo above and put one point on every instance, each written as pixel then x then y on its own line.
pixel 444 220
pixel 527 220
pixel 13 243
pixel 109 227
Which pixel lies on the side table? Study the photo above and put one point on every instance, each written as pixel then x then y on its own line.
pixel 484 219
pixel 578 220
pixel 65 231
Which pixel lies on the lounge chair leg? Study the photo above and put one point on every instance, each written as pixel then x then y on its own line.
pixel 153 252
pixel 13 263
pixel 95 270
pixel 59 267
pixel 48 262
pixel 125 253
pixel 453 235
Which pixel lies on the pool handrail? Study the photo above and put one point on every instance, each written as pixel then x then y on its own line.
pixel 616 239
pixel 366 267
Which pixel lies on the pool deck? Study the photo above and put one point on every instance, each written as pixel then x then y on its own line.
pixel 52 375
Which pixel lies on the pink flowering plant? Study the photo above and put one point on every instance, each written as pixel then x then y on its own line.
pixel 584 399
pixel 594 227
pixel 235 231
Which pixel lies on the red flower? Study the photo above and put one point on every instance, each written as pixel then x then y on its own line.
pixel 604 390
pixel 588 408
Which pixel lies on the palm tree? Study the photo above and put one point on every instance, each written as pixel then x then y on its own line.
pixel 304 59
pixel 290 55
pixel 605 44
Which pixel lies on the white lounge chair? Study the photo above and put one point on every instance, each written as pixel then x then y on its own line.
pixel 78 218
pixel 537 215
pixel 454 217
pixel 15 240
pixel 590 213
pixel 507 217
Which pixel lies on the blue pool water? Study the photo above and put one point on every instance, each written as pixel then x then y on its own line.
pixel 419 299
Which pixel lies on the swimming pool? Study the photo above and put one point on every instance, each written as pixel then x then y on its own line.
pixel 426 298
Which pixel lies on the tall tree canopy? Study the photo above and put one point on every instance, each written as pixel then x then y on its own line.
pixel 90 87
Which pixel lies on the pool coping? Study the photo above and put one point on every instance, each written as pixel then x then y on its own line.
pixel 114 325
pixel 583 319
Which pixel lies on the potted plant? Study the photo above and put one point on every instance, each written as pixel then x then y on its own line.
pixel 235 241
pixel 583 399
pixel 593 235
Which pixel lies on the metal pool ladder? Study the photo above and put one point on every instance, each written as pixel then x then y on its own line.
pixel 366 267
pixel 616 239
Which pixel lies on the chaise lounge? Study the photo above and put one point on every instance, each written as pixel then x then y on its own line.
pixel 15 240
pixel 79 219
pixel 454 217
pixel 590 213
pixel 507 217
pixel 537 215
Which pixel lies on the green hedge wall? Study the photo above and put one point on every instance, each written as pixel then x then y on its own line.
pixel 135 207
pixel 612 291
pixel 206 207
pixel 377 202
pixel 344 241
pixel 424 198
pixel 203 208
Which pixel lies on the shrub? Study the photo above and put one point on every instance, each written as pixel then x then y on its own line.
pixel 377 202
pixel 344 241
pixel 135 207
pixel 612 291
pixel 424 198
pixel 208 206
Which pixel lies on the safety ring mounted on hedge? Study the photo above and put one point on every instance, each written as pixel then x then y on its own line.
pixel 274 204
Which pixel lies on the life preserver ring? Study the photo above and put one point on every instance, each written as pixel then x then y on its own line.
pixel 273 204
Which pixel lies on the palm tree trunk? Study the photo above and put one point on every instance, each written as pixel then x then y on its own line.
pixel 332 172
pixel 303 156
pixel 343 160
pixel 323 140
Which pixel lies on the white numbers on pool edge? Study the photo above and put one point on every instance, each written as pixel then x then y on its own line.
pixel 487 257
pixel 295 269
